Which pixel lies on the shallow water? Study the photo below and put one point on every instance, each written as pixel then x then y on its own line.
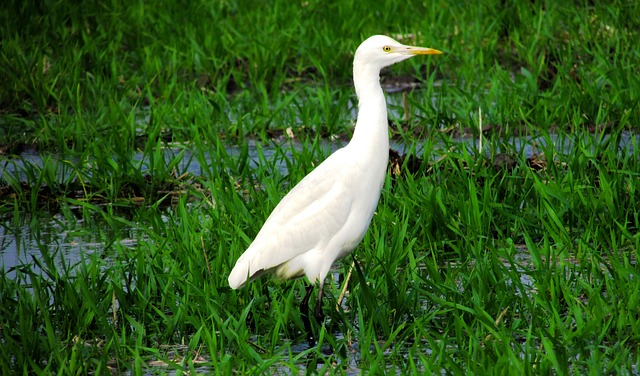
pixel 526 146
pixel 74 234
pixel 68 237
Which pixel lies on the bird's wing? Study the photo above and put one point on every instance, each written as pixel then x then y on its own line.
pixel 306 218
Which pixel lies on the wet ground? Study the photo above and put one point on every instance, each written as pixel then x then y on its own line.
pixel 69 235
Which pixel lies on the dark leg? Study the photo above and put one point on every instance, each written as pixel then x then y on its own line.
pixel 304 313
pixel 319 313
pixel 304 304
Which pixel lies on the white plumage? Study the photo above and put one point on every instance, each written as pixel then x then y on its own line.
pixel 325 216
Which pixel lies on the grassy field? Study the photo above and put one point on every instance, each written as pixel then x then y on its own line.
pixel 496 261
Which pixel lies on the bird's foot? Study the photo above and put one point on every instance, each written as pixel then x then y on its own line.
pixel 311 339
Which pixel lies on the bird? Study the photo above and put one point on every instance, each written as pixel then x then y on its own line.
pixel 325 216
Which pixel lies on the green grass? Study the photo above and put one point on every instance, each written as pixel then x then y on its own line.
pixel 471 265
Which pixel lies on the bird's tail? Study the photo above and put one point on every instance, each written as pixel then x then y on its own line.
pixel 239 274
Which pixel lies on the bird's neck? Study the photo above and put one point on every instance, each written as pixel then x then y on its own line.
pixel 371 130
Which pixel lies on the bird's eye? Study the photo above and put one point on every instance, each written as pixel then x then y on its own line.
pixel 386 49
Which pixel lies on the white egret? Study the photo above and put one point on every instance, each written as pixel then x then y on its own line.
pixel 325 216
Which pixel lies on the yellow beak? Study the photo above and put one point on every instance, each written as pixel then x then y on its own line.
pixel 422 51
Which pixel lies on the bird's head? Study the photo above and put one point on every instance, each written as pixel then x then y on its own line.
pixel 384 51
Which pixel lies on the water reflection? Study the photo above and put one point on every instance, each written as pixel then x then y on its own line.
pixel 68 236
pixel 72 232
pixel 278 153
